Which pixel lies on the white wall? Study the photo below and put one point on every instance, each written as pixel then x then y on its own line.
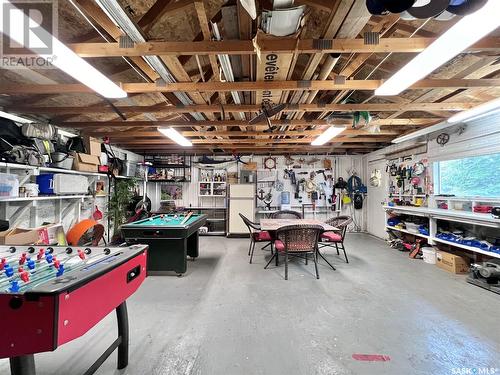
pixel 344 165
pixel 480 137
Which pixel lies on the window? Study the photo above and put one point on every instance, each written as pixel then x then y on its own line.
pixel 477 176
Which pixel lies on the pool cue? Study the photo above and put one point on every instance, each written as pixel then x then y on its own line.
pixel 186 218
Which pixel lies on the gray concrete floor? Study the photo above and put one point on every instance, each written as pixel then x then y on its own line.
pixel 226 316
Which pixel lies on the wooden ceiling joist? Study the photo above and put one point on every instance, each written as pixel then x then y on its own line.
pixel 135 88
pixel 309 107
pixel 226 123
pixel 216 142
pixel 310 133
pixel 285 45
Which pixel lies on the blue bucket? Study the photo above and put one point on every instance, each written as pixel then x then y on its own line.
pixel 45 183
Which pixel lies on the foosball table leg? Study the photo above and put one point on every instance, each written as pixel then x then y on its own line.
pixel 122 318
pixel 23 365
pixel 120 344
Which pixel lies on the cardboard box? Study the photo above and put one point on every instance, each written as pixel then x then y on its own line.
pixel 85 162
pixel 250 166
pixel 52 234
pixel 92 145
pixel 451 262
pixel 19 236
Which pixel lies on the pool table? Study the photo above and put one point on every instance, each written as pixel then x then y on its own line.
pixel 170 242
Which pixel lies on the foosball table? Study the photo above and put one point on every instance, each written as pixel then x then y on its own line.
pixel 52 295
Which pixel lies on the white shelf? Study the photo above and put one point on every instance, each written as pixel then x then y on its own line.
pixel 452 215
pixel 407 231
pixel 48 169
pixel 48 198
pixel 470 248
pixel 462 199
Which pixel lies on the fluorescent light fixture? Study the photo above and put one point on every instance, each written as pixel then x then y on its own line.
pixel 476 112
pixel 62 57
pixel 175 136
pixel 15 118
pixel 421 132
pixel 328 134
pixel 459 37
pixel 66 133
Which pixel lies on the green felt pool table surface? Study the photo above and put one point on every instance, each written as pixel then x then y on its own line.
pixel 167 220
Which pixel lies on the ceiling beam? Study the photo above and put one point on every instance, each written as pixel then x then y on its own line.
pixel 159 9
pixel 226 123
pixel 264 148
pixel 155 134
pixel 135 88
pixel 217 142
pixel 284 45
pixel 310 107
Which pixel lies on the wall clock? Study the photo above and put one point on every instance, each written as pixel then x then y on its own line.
pixel 270 163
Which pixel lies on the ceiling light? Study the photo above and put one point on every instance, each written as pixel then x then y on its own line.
pixel 65 59
pixel 328 134
pixel 459 37
pixel 15 118
pixel 66 133
pixel 476 112
pixel 175 136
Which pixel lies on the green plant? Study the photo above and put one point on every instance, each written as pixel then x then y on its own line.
pixel 118 202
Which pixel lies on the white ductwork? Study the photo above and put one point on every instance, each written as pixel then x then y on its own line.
pixel 227 69
pixel 121 19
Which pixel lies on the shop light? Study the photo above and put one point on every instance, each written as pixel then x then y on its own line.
pixel 328 134
pixel 476 112
pixel 62 57
pixel 15 118
pixel 459 37
pixel 175 136
pixel 66 133
pixel 422 132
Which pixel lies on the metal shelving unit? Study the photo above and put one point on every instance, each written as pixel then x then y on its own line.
pixel 217 219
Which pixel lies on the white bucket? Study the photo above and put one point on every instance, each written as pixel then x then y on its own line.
pixel 429 255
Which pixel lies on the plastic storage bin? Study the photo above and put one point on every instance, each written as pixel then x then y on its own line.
pixel 45 183
pixel 9 185
pixel 429 255
pixel 70 184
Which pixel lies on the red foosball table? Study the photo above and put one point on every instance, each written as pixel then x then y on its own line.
pixel 52 295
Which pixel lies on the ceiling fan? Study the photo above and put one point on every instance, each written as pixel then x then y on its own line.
pixel 266 112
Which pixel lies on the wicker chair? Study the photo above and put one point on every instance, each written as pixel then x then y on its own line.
pixel 336 238
pixel 297 240
pixel 256 235
pixel 286 214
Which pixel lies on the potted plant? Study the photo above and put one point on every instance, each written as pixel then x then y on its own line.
pixel 118 204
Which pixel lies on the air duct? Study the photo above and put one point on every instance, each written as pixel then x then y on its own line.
pixel 227 69
pixel 121 19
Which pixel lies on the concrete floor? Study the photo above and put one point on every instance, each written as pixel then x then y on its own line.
pixel 226 316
